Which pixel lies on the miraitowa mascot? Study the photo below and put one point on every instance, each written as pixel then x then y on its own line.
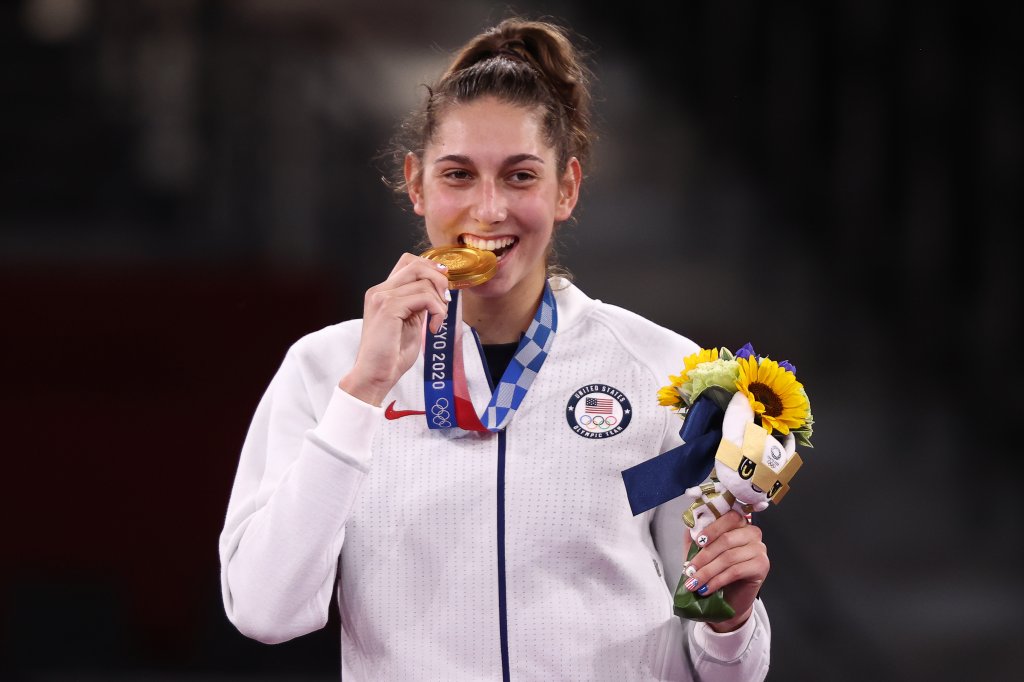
pixel 751 468
pixel 727 462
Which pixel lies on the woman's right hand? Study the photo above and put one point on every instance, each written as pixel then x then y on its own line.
pixel 394 312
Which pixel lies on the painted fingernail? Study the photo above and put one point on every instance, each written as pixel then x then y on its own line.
pixel 691 584
pixel 703 589
pixel 447 295
pixel 702 540
pixel 690 571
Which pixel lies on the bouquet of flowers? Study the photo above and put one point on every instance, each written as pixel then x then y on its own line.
pixel 778 400
pixel 757 397
pixel 743 415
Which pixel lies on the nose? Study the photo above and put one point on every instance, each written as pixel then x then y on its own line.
pixel 489 204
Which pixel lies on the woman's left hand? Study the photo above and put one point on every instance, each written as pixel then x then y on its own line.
pixel 734 558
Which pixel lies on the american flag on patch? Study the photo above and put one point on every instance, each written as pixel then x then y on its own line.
pixel 599 405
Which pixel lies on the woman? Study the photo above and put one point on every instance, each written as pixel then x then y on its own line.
pixel 501 546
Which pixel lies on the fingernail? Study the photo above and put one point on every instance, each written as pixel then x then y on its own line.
pixel 702 540
pixel 442 266
pixel 703 589
pixel 691 584
pixel 690 571
pixel 447 295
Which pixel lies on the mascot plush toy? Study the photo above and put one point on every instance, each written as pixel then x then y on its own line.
pixel 751 469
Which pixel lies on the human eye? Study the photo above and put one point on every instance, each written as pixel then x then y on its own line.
pixel 456 175
pixel 522 177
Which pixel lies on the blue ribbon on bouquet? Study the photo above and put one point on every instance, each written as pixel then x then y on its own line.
pixel 668 475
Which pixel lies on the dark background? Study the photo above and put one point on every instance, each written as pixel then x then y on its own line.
pixel 188 187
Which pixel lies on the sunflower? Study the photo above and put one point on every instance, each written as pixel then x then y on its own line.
pixel 676 394
pixel 774 393
pixel 669 396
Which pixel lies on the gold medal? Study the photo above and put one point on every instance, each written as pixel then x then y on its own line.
pixel 467 267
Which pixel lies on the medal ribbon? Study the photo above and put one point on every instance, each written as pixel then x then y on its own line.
pixel 445 391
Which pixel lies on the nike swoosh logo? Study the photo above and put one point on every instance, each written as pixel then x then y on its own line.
pixel 391 413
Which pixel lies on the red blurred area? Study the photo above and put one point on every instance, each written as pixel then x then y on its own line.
pixel 127 394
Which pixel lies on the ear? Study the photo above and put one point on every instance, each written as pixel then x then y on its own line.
pixel 414 182
pixel 569 190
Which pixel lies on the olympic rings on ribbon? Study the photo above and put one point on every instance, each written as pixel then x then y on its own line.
pixel 442 417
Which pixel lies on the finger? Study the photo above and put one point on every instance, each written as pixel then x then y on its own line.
pixel 735 537
pixel 703 566
pixel 737 546
pixel 408 300
pixel 749 564
pixel 380 294
pixel 730 557
pixel 435 323
pixel 728 521
pixel 404 260
pixel 410 268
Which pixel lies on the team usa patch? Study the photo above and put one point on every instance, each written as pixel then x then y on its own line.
pixel 598 411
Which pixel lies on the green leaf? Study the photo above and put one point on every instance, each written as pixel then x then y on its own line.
pixel 718 395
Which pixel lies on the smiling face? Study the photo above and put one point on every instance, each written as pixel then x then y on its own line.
pixel 489 180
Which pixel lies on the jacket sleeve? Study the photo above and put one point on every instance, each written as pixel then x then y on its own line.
pixel 297 480
pixel 739 656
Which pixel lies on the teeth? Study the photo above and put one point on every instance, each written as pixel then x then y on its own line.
pixel 487 244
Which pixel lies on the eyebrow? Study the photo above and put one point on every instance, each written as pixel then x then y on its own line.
pixel 510 161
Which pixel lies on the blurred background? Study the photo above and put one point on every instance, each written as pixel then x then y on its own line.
pixel 188 186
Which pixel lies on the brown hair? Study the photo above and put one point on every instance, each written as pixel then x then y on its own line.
pixel 525 63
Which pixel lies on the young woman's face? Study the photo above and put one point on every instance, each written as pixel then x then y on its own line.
pixel 490 181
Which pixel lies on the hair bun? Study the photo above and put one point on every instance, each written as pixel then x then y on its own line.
pixel 514 50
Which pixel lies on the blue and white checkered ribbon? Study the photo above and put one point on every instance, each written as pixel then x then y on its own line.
pixel 526 363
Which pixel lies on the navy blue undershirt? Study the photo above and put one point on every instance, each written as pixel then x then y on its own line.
pixel 498 355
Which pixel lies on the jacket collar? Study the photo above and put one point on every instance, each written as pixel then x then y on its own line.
pixel 573 304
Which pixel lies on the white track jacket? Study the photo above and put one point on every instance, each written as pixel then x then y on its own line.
pixel 456 555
